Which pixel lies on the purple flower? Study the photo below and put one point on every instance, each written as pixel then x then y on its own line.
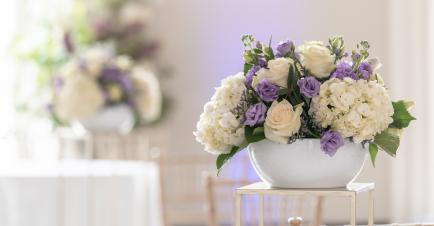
pixel 262 62
pixel 267 90
pixel 50 108
pixel 68 43
pixel 309 86
pixel 343 70
pixel 365 70
pixel 355 56
pixel 58 84
pixel 114 75
pixel 284 47
pixel 330 142
pixel 250 74
pixel 258 45
pixel 255 114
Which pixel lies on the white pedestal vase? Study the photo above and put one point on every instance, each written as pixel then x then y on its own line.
pixel 303 164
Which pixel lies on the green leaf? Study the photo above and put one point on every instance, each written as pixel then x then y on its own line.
pixel 247 67
pixel 387 142
pixel 282 92
pixel 257 51
pixel 293 90
pixel 401 116
pixel 268 53
pixel 373 150
pixel 222 159
pixel 253 134
pixel 291 79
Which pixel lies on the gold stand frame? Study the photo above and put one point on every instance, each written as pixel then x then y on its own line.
pixel 351 192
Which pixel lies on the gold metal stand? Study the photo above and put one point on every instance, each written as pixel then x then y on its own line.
pixel 262 189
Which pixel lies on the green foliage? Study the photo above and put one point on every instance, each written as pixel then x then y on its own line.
pixel 337 47
pixel 388 142
pixel 222 159
pixel 293 89
pixel 254 134
pixel 373 150
pixel 401 116
pixel 268 53
pixel 248 41
pixel 247 67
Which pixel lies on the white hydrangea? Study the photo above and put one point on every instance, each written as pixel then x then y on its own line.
pixel 219 129
pixel 81 97
pixel 359 109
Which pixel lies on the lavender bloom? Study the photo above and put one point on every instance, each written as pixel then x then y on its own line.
pixel 267 91
pixel 113 74
pixel 309 86
pixel 262 62
pixel 330 142
pixel 50 108
pixel 58 84
pixel 365 70
pixel 103 28
pixel 250 74
pixel 284 47
pixel 355 56
pixel 258 45
pixel 255 114
pixel 67 42
pixel 343 70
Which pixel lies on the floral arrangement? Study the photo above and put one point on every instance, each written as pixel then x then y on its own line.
pixel 100 54
pixel 313 90
pixel 96 79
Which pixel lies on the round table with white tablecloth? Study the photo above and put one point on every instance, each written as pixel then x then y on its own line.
pixel 80 192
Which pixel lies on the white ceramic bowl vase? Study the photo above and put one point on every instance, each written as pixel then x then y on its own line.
pixel 302 164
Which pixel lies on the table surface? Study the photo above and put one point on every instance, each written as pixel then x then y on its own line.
pixel 80 192
pixel 263 188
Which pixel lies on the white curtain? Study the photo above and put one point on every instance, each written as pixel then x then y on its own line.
pixel 411 71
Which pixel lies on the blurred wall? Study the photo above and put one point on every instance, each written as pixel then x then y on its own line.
pixel 202 41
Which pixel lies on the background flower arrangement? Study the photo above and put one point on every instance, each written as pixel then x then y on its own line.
pixel 310 91
pixel 100 55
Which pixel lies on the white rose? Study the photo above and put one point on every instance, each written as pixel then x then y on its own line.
pixel 277 74
pixel 282 121
pixel 315 57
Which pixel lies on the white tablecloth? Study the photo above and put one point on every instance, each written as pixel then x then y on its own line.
pixel 80 193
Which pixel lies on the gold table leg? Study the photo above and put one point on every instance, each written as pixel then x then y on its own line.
pixel 371 208
pixel 261 210
pixel 238 209
pixel 353 209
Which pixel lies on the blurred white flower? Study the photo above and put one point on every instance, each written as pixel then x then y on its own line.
pixel 123 62
pixel 135 12
pixel 147 97
pixel 95 57
pixel 79 98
